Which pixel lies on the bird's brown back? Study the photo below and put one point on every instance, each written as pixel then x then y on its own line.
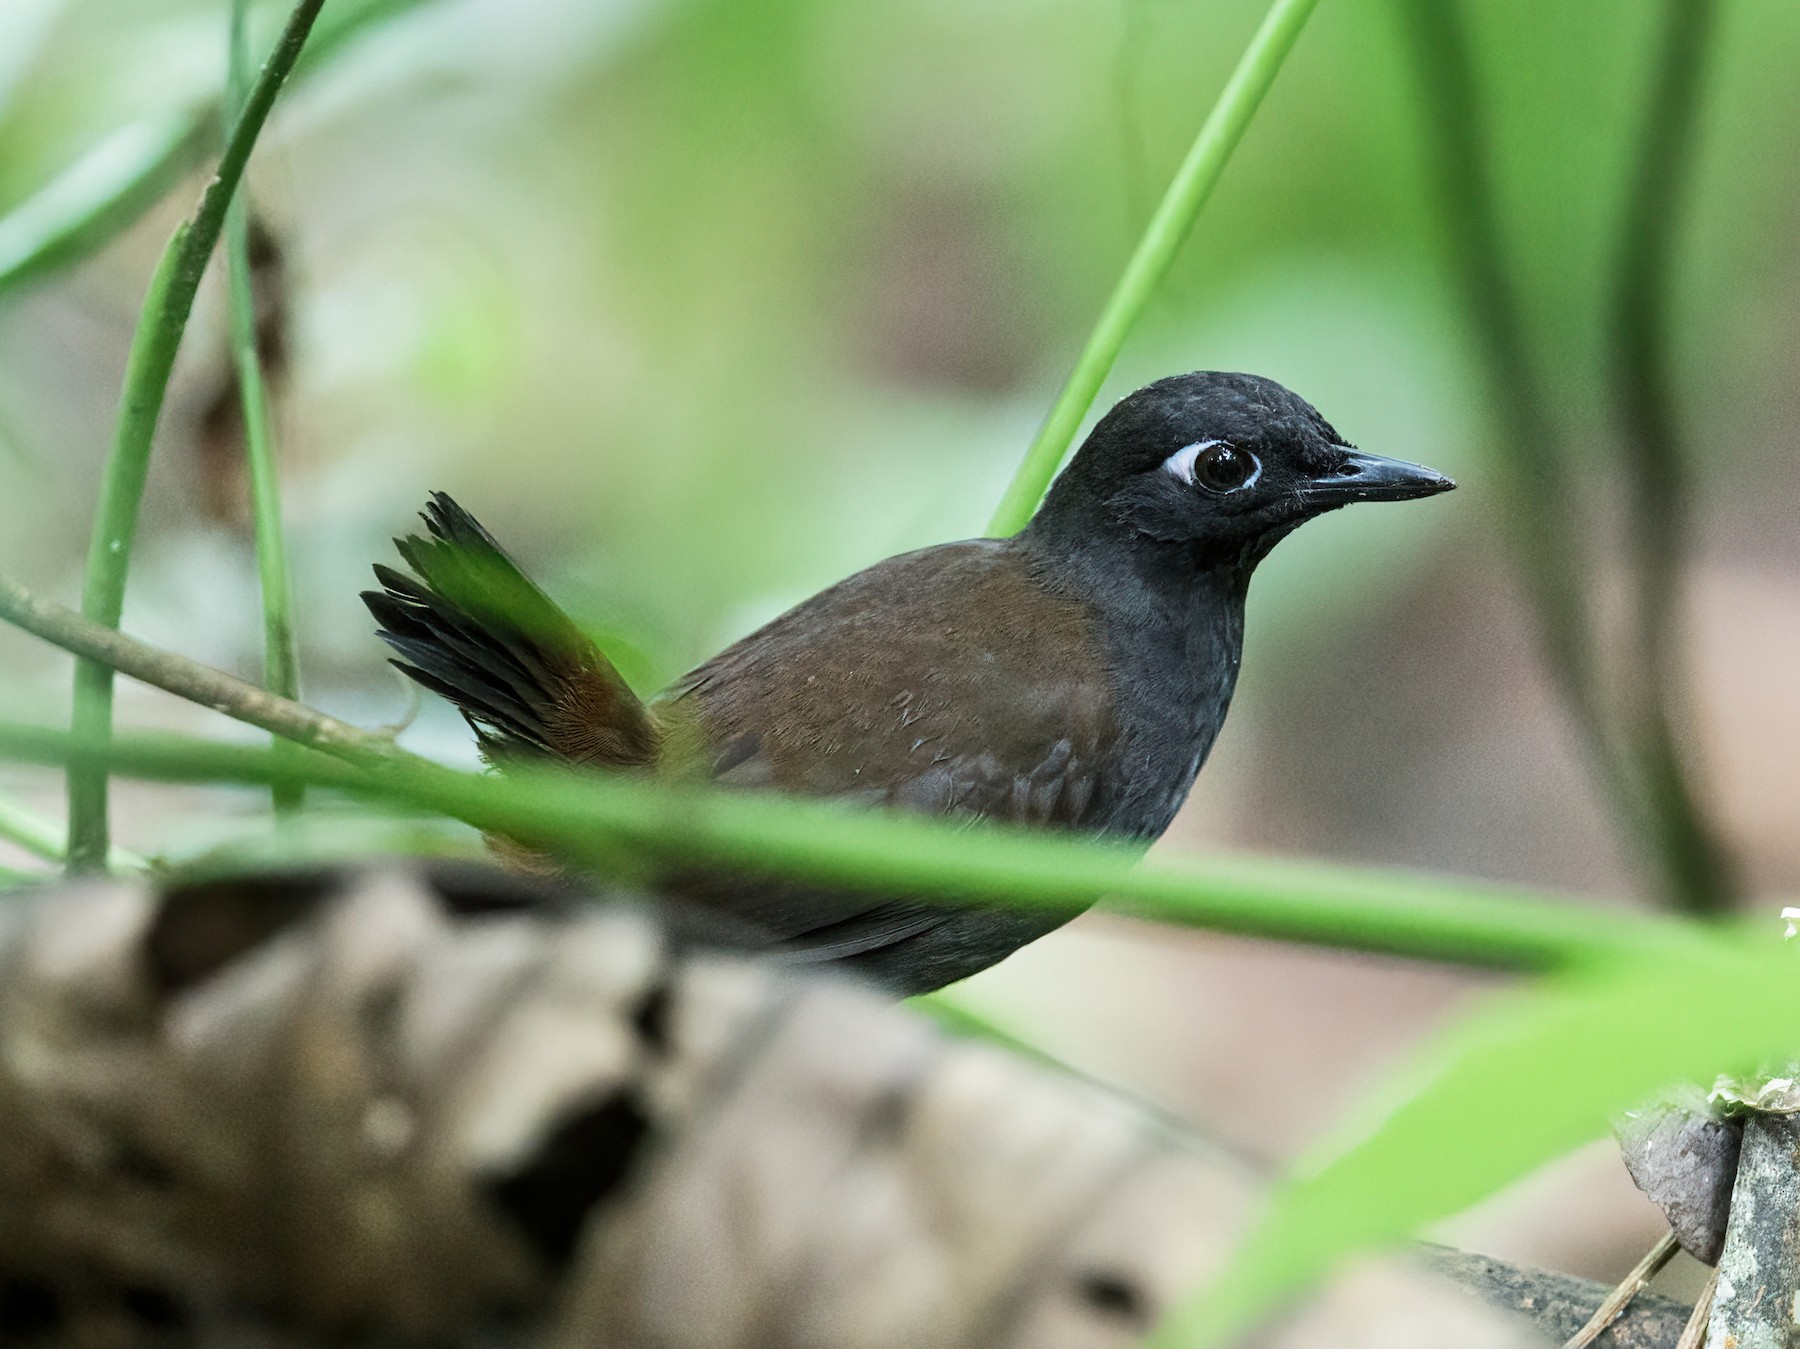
pixel 945 680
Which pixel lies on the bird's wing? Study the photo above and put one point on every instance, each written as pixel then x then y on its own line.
pixel 474 629
pixel 947 681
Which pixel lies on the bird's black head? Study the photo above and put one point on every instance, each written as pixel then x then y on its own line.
pixel 1219 467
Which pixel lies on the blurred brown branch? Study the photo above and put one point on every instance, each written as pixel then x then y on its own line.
pixel 176 674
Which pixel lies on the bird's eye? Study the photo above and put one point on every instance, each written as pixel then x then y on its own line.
pixel 1213 464
pixel 1223 467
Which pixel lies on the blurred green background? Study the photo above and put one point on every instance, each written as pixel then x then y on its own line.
pixel 700 306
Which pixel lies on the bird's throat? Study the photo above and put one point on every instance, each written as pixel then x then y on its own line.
pixel 1173 633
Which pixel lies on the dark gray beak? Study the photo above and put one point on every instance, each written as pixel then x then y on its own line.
pixel 1369 477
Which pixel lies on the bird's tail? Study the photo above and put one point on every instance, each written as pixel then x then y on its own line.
pixel 473 628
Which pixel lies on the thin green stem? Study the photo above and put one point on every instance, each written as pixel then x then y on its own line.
pixel 1643 369
pixel 1697 875
pixel 164 317
pixel 1162 240
pixel 588 818
pixel 38 836
pixel 281 653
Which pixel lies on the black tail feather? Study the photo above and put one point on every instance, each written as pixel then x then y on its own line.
pixel 474 629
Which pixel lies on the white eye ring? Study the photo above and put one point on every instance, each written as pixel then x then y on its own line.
pixel 1180 465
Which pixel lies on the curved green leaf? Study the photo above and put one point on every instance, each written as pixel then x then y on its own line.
pixel 99 195
pixel 1533 1074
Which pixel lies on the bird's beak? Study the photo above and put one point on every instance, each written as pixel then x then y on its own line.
pixel 1370 477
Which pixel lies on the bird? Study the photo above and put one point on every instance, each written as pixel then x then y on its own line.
pixel 1072 676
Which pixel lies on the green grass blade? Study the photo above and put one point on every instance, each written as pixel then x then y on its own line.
pixel 121 489
pixel 1533 1074
pixel 593 819
pixel 1162 240
pixel 98 195
pixel 281 653
pixel 1459 921
pixel 1637 762
pixel 587 816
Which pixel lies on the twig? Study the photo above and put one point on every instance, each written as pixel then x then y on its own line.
pixel 950 1009
pixel 1695 870
pixel 1162 239
pixel 1693 1334
pixel 281 654
pixel 234 697
pixel 955 1017
pixel 1629 1287
pixel 164 318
